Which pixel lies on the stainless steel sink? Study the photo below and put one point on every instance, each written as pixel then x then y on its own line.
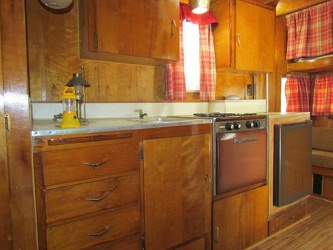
pixel 159 119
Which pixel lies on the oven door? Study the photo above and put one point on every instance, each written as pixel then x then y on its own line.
pixel 241 160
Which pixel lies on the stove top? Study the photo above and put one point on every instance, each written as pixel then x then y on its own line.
pixel 219 114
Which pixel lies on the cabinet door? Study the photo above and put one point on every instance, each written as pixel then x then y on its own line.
pixel 177 190
pixel 145 28
pixel 241 220
pixel 255 29
pixel 244 37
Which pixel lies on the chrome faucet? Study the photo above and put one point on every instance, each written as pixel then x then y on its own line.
pixel 141 114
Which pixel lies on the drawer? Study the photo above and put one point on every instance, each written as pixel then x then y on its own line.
pixel 62 166
pixel 130 243
pixel 77 200
pixel 95 230
pixel 287 218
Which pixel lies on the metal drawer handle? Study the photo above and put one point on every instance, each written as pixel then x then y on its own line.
pixel 208 182
pixel 99 234
pixel 290 219
pixel 97 164
pixel 98 199
pixel 241 140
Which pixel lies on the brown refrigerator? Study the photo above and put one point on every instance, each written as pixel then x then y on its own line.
pixel 292 162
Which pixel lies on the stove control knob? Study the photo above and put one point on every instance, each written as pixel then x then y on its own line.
pixel 229 126
pixel 256 123
pixel 237 125
pixel 249 124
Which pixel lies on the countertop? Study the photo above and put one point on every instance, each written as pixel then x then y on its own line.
pixel 50 127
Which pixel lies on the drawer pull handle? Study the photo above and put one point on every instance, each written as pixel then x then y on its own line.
pixel 98 199
pixel 290 219
pixel 97 164
pixel 99 234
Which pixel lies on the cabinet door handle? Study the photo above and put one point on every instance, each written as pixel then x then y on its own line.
pixel 173 27
pixel 208 182
pixel 216 234
pixel 96 164
pixel 238 39
pixel 99 234
pixel 104 195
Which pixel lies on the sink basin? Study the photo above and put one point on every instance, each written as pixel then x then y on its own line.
pixel 159 119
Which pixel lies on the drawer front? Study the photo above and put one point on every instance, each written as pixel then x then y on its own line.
pixel 287 218
pixel 95 230
pixel 90 162
pixel 130 243
pixel 73 201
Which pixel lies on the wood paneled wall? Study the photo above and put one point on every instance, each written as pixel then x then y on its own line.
pixel 53 51
pixel 53 47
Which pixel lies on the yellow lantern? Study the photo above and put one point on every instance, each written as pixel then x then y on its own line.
pixel 69 115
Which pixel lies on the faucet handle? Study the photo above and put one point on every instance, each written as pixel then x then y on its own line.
pixel 141 114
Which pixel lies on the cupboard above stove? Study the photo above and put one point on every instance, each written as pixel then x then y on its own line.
pixel 244 38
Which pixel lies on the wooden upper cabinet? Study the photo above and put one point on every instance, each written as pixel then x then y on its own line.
pixel 140 32
pixel 244 36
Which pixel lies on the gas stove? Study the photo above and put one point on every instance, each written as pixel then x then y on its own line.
pixel 234 122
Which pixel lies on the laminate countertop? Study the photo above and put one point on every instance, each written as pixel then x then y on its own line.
pixel 52 127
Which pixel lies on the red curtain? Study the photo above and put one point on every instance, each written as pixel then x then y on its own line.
pixel 322 104
pixel 298 94
pixel 207 64
pixel 310 94
pixel 310 31
pixel 175 78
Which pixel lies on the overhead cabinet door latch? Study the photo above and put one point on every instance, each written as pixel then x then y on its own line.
pixel 7 122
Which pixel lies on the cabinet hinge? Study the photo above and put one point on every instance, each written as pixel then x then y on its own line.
pixel 143 243
pixel 141 155
pixel 95 40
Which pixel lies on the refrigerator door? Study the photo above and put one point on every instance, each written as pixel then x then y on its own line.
pixel 292 162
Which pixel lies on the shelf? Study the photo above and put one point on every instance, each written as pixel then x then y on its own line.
pixel 312 66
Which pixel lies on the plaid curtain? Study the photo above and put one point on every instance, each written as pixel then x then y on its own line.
pixel 175 78
pixel 207 64
pixel 310 31
pixel 322 104
pixel 298 93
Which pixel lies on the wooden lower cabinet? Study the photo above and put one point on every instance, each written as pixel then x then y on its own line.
pixel 88 191
pixel 177 192
pixel 142 189
pixel 240 221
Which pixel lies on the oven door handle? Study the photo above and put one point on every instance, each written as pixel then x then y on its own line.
pixel 242 140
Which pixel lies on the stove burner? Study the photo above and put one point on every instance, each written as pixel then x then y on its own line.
pixel 218 114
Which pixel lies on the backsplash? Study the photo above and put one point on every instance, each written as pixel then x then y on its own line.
pixel 113 110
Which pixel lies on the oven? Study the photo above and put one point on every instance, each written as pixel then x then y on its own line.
pixel 239 152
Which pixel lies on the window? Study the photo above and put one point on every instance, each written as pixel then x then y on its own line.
pixel 191 42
